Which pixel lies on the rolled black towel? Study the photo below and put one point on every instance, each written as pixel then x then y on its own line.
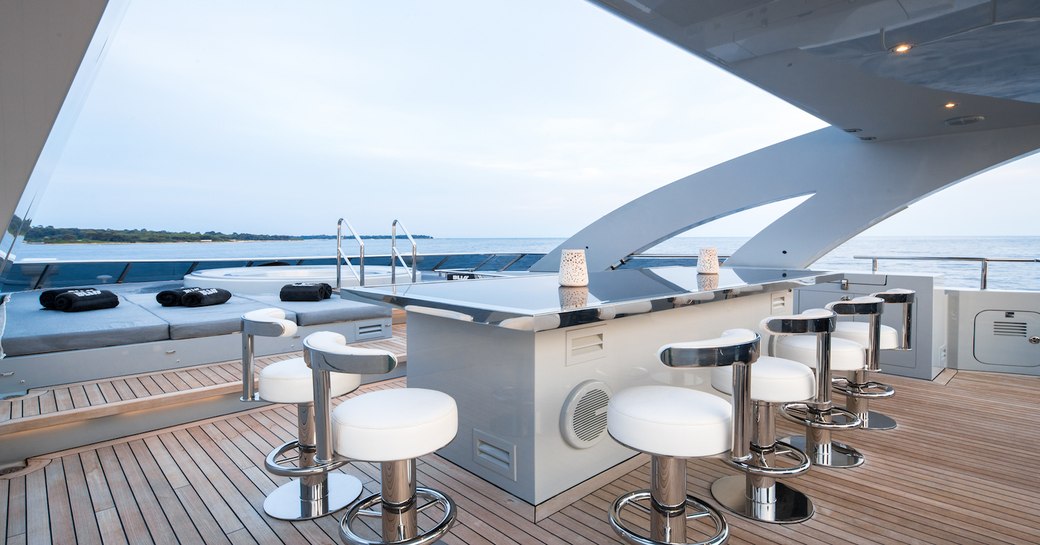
pixel 305 291
pixel 48 296
pixel 172 298
pixel 205 297
pixel 85 299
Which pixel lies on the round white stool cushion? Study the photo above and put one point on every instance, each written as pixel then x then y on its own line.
pixel 389 425
pixel 859 331
pixel 774 380
pixel 289 381
pixel 670 421
pixel 845 354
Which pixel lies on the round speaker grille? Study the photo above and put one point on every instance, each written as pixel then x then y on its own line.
pixel 583 420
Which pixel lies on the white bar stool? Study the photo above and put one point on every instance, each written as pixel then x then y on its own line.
pixel 314 490
pixel 673 423
pixel 757 494
pixel 806 338
pixel 873 337
pixel 392 427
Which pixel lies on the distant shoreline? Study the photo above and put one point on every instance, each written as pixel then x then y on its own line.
pixel 75 235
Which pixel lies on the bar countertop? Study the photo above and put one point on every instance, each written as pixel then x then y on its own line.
pixel 536 302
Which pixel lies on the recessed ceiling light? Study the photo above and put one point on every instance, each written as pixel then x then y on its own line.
pixel 899 49
pixel 852 130
pixel 868 138
pixel 950 105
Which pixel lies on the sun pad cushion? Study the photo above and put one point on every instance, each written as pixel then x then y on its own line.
pixel 193 322
pixel 33 330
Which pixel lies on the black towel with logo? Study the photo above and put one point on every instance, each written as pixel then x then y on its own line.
pixel 172 298
pixel 47 297
pixel 205 297
pixel 305 291
pixel 85 299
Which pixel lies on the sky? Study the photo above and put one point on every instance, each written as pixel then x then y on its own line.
pixel 463 118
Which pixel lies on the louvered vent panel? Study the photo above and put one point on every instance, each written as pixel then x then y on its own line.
pixel 1010 329
pixel 584 345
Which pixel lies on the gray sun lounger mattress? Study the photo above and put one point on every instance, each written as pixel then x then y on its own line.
pixel 33 330
pixel 139 318
pixel 193 322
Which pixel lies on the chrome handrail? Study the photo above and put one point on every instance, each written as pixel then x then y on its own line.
pixel 395 255
pixel 985 261
pixel 339 255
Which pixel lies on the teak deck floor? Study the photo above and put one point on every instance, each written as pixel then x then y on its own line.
pixel 959 469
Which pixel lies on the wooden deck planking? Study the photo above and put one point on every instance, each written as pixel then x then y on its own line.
pixel 943 476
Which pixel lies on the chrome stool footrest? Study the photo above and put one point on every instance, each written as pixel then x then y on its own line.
pixel 363 508
pixel 698 509
pixel 832 418
pixel 273 462
pixel 870 389
pixel 759 466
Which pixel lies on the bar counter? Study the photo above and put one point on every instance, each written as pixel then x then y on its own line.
pixel 532 365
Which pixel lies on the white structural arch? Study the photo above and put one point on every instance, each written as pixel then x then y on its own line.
pixel 853 185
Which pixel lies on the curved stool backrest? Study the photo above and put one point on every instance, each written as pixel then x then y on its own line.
pixel 265 322
pixel 904 297
pixel 736 347
pixel 328 352
pixel 871 307
pixel 816 321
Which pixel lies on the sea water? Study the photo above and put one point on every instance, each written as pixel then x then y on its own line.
pixel 963 274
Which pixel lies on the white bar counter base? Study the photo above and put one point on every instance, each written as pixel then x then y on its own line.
pixel 512 350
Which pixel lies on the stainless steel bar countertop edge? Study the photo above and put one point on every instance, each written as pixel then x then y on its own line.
pixel 536 301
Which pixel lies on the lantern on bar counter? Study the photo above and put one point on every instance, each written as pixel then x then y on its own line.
pixel 573 271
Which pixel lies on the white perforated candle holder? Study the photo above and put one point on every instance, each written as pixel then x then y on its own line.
pixel 708 261
pixel 573 271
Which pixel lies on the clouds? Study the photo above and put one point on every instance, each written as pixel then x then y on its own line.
pixel 464 118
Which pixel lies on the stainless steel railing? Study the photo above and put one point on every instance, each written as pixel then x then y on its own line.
pixel 984 261
pixel 340 258
pixel 396 255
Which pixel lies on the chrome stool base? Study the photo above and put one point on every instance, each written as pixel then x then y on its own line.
pixel 858 398
pixel 405 516
pixel 693 509
pixel 831 454
pixel 876 421
pixel 287 503
pixel 788 505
